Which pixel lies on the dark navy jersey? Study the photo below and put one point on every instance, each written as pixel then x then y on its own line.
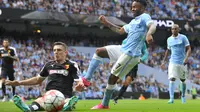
pixel 7 62
pixel 60 76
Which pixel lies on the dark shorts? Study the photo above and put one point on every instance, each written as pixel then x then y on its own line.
pixel 7 73
pixel 133 72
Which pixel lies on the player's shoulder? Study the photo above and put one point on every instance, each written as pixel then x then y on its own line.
pixel 50 63
pixel 1 48
pixel 12 48
pixel 72 62
pixel 169 38
pixel 182 35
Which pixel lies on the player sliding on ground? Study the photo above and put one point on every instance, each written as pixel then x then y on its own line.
pixel 61 74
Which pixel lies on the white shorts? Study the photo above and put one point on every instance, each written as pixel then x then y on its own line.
pixel 113 52
pixel 124 65
pixel 177 71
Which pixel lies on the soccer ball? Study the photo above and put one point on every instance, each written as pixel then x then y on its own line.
pixel 53 101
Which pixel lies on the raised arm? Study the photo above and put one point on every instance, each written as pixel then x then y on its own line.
pixel 113 27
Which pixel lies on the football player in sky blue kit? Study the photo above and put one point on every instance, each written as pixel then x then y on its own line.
pixel 139 29
pixel 177 69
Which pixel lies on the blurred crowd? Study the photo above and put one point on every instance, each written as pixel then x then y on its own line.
pixel 33 52
pixel 173 9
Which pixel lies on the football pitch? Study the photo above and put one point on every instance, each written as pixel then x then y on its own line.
pixel 125 106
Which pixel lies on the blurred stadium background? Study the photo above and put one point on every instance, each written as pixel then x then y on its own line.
pixel 33 25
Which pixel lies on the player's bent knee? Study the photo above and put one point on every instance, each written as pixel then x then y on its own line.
pixel 102 52
pixel 112 79
pixel 172 79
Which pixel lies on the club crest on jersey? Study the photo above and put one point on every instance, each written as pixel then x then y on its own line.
pixel 66 67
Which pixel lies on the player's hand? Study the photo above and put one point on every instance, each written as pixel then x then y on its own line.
pixel 102 19
pixel 80 86
pixel 12 83
pixel 162 66
pixel 149 38
pixel 185 61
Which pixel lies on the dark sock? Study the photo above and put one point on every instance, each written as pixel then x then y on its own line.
pixel 13 90
pixel 121 92
pixel 3 89
pixel 35 106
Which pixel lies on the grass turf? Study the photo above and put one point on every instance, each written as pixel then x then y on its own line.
pixel 125 106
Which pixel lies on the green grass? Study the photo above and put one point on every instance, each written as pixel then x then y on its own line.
pixel 126 106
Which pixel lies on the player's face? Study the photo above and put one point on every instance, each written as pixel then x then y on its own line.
pixel 59 53
pixel 175 30
pixel 137 9
pixel 5 43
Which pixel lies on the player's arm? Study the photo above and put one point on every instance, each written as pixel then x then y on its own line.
pixel 32 81
pixel 112 26
pixel 14 55
pixel 151 30
pixel 188 50
pixel 145 53
pixel 188 53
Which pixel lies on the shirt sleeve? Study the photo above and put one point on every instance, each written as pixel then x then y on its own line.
pixel 126 28
pixel 44 71
pixel 75 71
pixel 186 41
pixel 15 52
pixel 147 19
pixel 168 45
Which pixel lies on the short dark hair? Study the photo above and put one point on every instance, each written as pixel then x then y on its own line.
pixel 6 39
pixel 60 43
pixel 143 2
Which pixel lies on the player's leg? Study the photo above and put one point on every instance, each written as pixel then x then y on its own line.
pixel 183 75
pixel 12 78
pixel 129 78
pixel 70 103
pixel 3 78
pixel 183 89
pixel 94 63
pixel 112 52
pixel 172 75
pixel 20 104
pixel 122 67
pixel 37 105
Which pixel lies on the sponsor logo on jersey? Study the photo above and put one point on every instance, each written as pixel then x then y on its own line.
pixel 63 72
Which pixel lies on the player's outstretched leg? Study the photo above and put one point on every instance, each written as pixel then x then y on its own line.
pixel 94 63
pixel 121 92
pixel 70 104
pixel 183 88
pixel 171 90
pixel 20 104
pixel 108 93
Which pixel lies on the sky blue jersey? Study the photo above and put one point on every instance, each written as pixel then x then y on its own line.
pixel 177 46
pixel 136 30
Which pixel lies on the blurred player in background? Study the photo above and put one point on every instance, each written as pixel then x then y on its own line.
pixel 8 55
pixel 177 69
pixel 61 74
